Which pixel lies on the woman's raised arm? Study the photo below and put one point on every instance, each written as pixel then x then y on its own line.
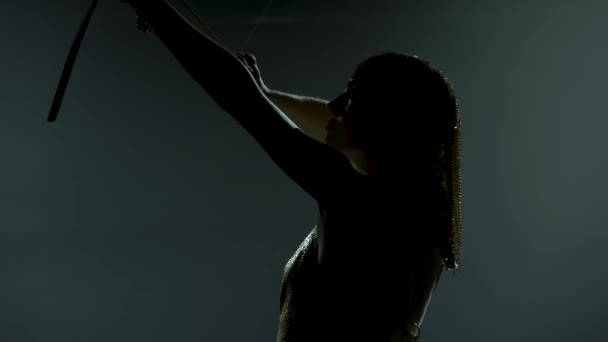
pixel 314 166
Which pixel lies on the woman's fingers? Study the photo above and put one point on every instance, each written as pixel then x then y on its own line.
pixel 249 61
pixel 249 58
pixel 241 58
pixel 244 61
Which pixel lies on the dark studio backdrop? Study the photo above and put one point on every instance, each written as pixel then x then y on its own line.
pixel 145 213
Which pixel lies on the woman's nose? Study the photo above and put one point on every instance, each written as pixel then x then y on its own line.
pixel 337 106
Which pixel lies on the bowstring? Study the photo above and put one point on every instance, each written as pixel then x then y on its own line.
pixel 259 20
pixel 206 28
pixel 201 22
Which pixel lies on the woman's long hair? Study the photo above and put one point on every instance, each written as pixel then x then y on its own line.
pixel 420 120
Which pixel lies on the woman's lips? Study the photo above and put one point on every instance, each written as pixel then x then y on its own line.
pixel 331 125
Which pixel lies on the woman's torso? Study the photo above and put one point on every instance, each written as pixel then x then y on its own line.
pixel 357 276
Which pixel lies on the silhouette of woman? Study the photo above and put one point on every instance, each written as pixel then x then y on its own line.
pixel 382 161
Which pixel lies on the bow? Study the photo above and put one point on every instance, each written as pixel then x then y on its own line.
pixel 71 59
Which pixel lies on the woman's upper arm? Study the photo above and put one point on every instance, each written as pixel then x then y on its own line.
pixel 317 168
pixel 320 170
pixel 313 165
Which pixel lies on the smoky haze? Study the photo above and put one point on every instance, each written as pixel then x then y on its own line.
pixel 145 213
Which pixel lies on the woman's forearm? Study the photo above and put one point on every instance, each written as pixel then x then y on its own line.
pixel 216 69
pixel 224 77
pixel 308 113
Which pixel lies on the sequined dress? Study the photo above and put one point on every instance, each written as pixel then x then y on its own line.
pixel 362 274
pixel 352 300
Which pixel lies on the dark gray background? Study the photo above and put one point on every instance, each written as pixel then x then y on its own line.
pixel 147 214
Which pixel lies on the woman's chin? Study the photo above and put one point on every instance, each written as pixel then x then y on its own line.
pixel 335 140
pixel 330 140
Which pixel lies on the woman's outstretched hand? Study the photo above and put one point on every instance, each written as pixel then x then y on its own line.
pixel 249 61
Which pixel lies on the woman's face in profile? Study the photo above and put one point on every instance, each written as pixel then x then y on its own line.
pixel 340 127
